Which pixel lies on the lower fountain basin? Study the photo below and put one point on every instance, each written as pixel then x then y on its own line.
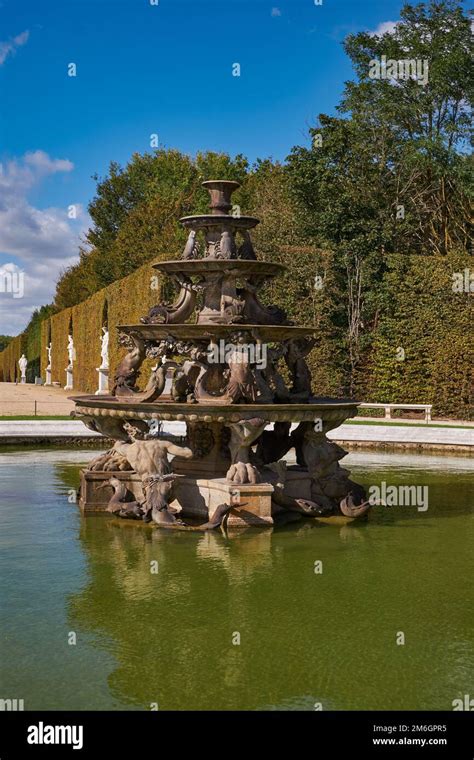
pixel 238 267
pixel 332 412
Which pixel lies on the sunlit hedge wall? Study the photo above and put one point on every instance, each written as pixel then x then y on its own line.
pixel 32 351
pixel 60 326
pixel 9 359
pixel 419 313
pixel 432 325
pixel 125 301
pixel 44 343
pixel 87 321
pixel 129 299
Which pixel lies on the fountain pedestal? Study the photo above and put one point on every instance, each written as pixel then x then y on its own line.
pixel 199 498
pixel 195 498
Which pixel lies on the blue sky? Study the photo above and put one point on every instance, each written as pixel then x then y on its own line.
pixel 143 69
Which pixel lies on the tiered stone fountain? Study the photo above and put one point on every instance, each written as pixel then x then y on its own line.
pixel 225 351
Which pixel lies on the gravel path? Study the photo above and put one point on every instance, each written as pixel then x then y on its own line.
pixel 20 400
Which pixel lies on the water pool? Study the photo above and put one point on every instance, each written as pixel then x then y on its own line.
pixel 167 638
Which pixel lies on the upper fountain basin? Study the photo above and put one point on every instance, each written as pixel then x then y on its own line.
pixel 224 221
pixel 239 267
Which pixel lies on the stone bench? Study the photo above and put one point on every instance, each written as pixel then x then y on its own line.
pixel 426 408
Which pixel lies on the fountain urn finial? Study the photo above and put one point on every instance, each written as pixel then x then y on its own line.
pixel 221 191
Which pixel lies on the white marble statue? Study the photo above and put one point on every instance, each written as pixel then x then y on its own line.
pixel 104 351
pixel 23 363
pixel 71 350
pixel 48 368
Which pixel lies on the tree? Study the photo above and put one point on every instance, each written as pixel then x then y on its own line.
pixel 135 215
pixel 390 173
pixel 427 115
pixel 4 341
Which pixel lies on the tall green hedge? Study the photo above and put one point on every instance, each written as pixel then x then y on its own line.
pixel 45 338
pixel 431 323
pixel 420 313
pixel 60 326
pixel 129 299
pixel 10 356
pixel 87 320
pixel 125 301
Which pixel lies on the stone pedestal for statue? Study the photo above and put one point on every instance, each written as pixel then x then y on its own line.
pixel 103 388
pixel 69 379
pixel 234 370
pixel 48 376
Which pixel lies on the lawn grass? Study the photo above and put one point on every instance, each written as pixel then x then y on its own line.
pixel 381 421
pixel 404 424
pixel 17 417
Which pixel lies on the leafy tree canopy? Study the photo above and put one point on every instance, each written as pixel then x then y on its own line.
pixel 4 341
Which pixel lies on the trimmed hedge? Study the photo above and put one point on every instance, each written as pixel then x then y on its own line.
pixel 87 321
pixel 432 324
pixel 60 326
pixel 419 312
pixel 10 356
pixel 129 299
pixel 45 338
pixel 125 301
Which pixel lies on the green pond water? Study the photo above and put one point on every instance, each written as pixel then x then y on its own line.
pixel 305 638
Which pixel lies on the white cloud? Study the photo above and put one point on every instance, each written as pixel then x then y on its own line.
pixel 46 165
pixel 8 47
pixel 386 27
pixel 41 242
pixel 17 177
pixel 28 232
pixel 275 12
